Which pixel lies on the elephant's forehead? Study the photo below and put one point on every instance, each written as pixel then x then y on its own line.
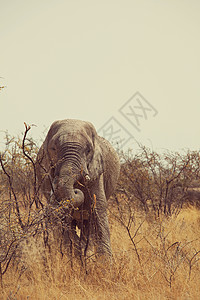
pixel 73 136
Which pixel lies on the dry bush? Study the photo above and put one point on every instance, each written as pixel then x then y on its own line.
pixel 155 238
pixel 21 210
pixel 158 183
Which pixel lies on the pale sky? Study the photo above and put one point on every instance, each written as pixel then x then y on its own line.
pixel 85 59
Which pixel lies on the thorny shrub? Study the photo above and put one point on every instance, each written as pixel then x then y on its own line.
pixel 158 183
pixel 21 210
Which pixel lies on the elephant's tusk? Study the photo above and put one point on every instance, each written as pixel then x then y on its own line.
pixel 87 177
pixel 51 193
pixel 52 198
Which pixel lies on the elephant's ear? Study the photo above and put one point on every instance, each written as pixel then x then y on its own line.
pixel 42 160
pixel 48 159
pixel 96 165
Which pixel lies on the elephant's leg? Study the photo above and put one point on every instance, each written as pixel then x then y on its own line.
pixel 101 220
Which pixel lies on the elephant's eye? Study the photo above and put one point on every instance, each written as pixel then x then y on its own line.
pixel 88 150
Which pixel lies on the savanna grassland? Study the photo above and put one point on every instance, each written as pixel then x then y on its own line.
pixel 154 222
pixel 168 267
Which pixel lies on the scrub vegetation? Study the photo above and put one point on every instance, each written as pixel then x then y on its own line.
pixel 154 221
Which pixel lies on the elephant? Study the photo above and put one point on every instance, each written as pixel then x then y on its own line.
pixel 78 167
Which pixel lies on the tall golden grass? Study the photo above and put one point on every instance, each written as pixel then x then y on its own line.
pixel 168 268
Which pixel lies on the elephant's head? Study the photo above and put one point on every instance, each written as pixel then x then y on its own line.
pixel 73 151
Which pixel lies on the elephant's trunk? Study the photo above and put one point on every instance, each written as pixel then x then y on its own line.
pixel 69 157
pixel 64 190
pixel 68 171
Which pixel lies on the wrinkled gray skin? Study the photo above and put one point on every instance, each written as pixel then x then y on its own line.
pixel 74 163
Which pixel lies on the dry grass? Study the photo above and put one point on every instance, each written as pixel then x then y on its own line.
pixel 168 268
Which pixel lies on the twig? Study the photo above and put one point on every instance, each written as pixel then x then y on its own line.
pixel 36 200
pixel 13 192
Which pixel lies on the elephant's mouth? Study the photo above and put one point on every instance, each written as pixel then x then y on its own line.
pixel 83 185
